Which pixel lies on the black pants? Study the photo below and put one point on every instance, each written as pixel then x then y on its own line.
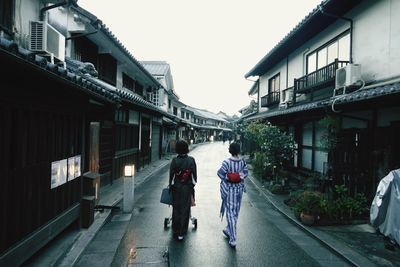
pixel 181 203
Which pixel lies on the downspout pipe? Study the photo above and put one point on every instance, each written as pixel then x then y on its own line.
pixel 46 8
pixel 351 28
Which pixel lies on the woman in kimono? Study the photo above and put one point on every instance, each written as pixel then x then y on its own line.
pixel 232 174
pixel 182 179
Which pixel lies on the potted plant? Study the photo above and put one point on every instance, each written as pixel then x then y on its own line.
pixel 309 206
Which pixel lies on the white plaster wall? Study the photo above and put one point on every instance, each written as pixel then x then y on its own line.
pixel 263 86
pixel 376 43
pixel 162 81
pixel 120 69
pixel 297 59
pixel 161 99
pixel 64 20
pixel 25 11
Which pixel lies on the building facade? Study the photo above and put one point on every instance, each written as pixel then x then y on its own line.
pixel 340 63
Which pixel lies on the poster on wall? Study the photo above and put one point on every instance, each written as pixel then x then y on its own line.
pixel 55 172
pixel 71 168
pixel 77 166
pixel 62 178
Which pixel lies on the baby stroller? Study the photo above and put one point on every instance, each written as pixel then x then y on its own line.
pixel 193 220
pixel 168 220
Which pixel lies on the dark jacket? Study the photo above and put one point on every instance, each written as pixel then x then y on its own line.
pixel 183 162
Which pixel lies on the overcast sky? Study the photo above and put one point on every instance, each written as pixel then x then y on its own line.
pixel 209 44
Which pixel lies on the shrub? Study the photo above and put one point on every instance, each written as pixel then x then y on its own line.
pixel 259 166
pixel 276 145
pixel 344 207
pixel 309 202
pixel 277 189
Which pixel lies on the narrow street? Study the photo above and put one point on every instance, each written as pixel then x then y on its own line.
pixel 265 238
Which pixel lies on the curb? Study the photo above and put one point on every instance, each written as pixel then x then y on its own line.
pixel 73 255
pixel 352 257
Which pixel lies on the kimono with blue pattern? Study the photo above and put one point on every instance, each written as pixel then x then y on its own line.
pixel 231 193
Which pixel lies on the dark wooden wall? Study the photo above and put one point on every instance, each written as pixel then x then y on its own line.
pixel 41 121
pixel 30 140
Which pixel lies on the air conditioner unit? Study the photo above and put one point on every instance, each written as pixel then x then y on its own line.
pixel 287 98
pixel 46 39
pixel 348 76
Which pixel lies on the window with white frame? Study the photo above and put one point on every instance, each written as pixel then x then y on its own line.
pixel 153 97
pixel 338 48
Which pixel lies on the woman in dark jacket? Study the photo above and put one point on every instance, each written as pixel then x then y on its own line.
pixel 182 179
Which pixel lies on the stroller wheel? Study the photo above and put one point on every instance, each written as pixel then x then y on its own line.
pixel 166 221
pixel 195 223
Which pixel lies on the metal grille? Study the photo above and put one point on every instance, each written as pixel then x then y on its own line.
pixel 37 36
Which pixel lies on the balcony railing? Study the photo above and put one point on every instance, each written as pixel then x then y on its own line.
pixel 318 78
pixel 270 99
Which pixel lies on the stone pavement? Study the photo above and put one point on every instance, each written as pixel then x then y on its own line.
pixel 359 245
pixel 69 247
pixel 111 196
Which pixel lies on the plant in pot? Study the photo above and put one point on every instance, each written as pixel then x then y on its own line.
pixel 309 206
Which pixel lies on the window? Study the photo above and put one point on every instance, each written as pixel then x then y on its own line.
pixel 312 157
pixel 182 114
pixel 84 50
pixel 338 48
pixel 133 117
pixel 138 88
pixel 273 84
pixel 187 115
pixel 152 97
pixel 169 103
pixel 128 82
pixel 156 98
pixel 175 111
pixel 121 116
pixel 107 69
pixel 6 15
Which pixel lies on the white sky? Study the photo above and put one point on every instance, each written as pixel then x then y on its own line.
pixel 209 44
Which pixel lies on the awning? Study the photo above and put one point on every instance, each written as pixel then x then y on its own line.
pixel 168 122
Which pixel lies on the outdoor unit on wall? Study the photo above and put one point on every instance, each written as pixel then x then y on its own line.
pixel 287 97
pixel 44 38
pixel 347 76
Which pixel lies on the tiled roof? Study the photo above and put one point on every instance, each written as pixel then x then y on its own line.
pixel 98 24
pixel 371 92
pixel 368 93
pixel 205 114
pixel 86 82
pixel 156 67
pixel 11 48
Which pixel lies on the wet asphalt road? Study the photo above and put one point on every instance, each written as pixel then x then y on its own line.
pixel 260 241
